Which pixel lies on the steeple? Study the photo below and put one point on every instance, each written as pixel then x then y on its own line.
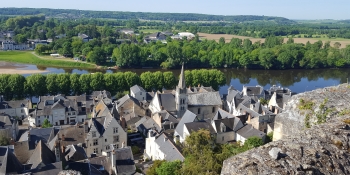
pixel 182 83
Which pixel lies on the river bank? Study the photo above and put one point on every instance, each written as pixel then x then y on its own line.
pixel 26 57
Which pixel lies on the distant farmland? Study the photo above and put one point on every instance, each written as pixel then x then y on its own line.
pixel 216 37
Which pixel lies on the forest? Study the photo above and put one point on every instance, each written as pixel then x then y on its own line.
pixel 196 52
pixel 18 87
pixel 69 13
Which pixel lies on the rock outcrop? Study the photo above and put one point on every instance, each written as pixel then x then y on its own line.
pixel 303 110
pixel 322 149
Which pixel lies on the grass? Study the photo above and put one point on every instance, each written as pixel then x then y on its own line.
pixel 26 57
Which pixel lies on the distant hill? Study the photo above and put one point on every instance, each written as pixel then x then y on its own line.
pixel 68 13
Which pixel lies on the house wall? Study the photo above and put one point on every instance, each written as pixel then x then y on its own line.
pixel 152 150
pixel 106 139
pixel 224 137
pixel 58 115
pixel 81 118
pixel 7 132
pixel 154 105
pixel 140 96
pixel 240 139
pixel 19 112
pixel 206 112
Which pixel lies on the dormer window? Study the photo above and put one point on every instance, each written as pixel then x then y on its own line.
pixel 223 128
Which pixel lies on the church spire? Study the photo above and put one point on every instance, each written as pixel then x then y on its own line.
pixel 182 83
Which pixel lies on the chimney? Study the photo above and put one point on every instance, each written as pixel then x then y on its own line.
pixel 123 144
pixel 86 128
pixel 63 138
pixel 150 133
pixel 165 139
pixel 12 142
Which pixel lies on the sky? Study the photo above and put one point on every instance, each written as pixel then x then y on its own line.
pixel 292 9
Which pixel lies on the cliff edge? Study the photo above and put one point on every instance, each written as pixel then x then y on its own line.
pixel 317 143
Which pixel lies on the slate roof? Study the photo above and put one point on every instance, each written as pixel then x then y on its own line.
pixel 249 131
pixel 182 83
pixel 124 99
pixel 15 104
pixel 49 169
pixel 195 126
pixel 167 101
pixel 124 161
pixel 73 135
pixel 8 161
pixel 36 134
pixel 186 118
pixel 5 120
pixel 231 124
pixel 168 148
pixel 136 89
pixel 167 118
pixel 232 94
pixel 149 124
pixel 254 90
pixel 41 155
pixel 76 152
pixel 101 164
pixel 204 99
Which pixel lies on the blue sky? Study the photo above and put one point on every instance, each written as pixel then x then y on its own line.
pixel 293 9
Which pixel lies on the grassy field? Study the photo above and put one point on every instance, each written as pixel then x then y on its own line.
pixel 216 37
pixel 26 57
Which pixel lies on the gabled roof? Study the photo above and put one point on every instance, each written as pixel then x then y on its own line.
pixel 6 120
pixel 15 104
pixel 8 161
pixel 58 105
pixel 230 124
pixel 168 148
pixel 204 99
pixel 167 101
pixel 149 124
pixel 167 117
pixel 196 126
pixel 254 90
pixel 249 131
pixel 41 155
pixel 232 94
pixel 124 161
pixel 124 99
pixel 75 151
pixel 186 118
pixel 37 134
pixel 49 169
pixel 136 89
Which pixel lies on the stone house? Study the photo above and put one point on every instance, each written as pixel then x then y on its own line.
pixel 165 120
pixel 180 132
pixel 160 147
pixel 15 108
pixel 278 98
pixel 9 162
pixel 249 131
pixel 8 127
pixel 104 130
pixel 146 124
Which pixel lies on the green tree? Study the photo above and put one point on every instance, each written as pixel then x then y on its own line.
pixel 131 79
pixel 40 49
pixel 74 83
pixel 51 84
pixel 46 124
pixel 169 168
pixel 253 142
pixel 36 85
pixel 97 82
pixel 266 58
pixel 153 169
pixel 4 141
pixel 111 83
pixel 158 80
pixel 169 80
pixel 84 81
pixel 121 82
pixel 16 83
pixel 96 56
pixel 5 89
pixel 63 83
pixel 148 81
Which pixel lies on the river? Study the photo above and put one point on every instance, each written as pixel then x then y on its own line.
pixel 298 80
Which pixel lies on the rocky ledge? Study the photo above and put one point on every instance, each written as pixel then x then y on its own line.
pixel 321 149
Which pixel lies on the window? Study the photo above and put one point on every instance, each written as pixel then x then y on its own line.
pixel 95 142
pixel 68 113
pixel 117 146
pixel 105 140
pixel 73 113
pixel 140 93
pixel 115 138
pixel 94 134
pixel 96 150
pixel 38 116
pixel 39 121
pixel 223 138
pixel 199 110
pixel 213 109
pixel 115 130
pixel 22 110
pixel 107 147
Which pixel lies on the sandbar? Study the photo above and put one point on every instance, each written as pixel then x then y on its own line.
pixel 21 71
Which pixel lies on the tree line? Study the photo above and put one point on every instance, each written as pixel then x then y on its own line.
pixel 17 86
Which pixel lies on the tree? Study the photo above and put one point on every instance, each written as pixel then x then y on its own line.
pixel 36 85
pixel 222 41
pixel 51 84
pixel 46 124
pixel 74 83
pixel 4 141
pixel 267 58
pixel 111 83
pixel 253 142
pixel 97 81
pixel 96 56
pixel 63 83
pixel 131 79
pixel 148 81
pixel 39 49
pixel 16 84
pixel 169 168
pixel 153 169
pixel 159 80
pixel 84 81
pixel 169 80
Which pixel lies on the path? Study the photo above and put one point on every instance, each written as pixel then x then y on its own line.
pixel 64 59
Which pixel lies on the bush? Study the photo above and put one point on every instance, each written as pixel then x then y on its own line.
pixel 135 149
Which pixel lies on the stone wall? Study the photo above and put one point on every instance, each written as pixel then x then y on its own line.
pixel 319 147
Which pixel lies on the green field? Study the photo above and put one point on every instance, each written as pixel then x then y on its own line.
pixel 28 58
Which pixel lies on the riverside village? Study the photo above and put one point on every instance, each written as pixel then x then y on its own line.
pixel 98 134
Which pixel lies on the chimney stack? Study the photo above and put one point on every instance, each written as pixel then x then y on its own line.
pixel 63 138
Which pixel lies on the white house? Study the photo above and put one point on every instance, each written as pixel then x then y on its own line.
pixel 138 92
pixel 15 108
pixel 186 34
pixel 11 45
pixel 160 147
